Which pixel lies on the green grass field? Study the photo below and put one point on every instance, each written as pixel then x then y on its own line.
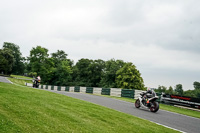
pixel 24 109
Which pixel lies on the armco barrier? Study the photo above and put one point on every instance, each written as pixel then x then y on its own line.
pixel 137 93
pixel 29 84
pixel 49 87
pixel 128 93
pixel 105 91
pixel 55 88
pixel 115 92
pixel 67 88
pixel 71 89
pixel 62 88
pixel 77 89
pixel 94 90
pixel 59 88
pixel 52 87
pixel 97 91
pixel 83 89
pixel 89 89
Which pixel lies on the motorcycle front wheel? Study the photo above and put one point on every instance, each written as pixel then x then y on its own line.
pixel 155 107
pixel 137 103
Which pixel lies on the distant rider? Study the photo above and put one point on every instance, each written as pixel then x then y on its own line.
pixel 37 81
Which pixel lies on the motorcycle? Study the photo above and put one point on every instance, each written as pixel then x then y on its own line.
pixel 36 83
pixel 147 101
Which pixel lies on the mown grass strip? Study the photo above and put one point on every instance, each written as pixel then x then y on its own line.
pixel 20 81
pixel 24 109
pixel 22 77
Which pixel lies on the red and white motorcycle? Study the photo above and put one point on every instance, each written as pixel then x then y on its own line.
pixel 147 101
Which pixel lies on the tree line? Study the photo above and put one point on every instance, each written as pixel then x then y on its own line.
pixel 57 69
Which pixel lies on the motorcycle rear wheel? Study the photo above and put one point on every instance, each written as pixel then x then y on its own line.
pixel 155 107
pixel 137 103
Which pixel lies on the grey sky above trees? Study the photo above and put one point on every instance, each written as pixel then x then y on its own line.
pixel 160 37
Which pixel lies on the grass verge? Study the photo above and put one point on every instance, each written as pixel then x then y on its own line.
pixel 24 109
pixel 23 77
pixel 20 81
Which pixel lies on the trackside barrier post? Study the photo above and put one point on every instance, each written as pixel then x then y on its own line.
pixel 83 89
pixel 52 87
pixel 89 89
pixel 59 88
pixel 67 88
pixel 97 91
pixel 77 89
pixel 62 88
pixel 115 92
pixel 71 89
pixel 129 93
pixel 55 88
pixel 137 93
pixel 105 91
pixel 49 87
pixel 29 84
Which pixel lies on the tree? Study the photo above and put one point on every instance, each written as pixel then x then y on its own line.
pixel 178 89
pixel 37 59
pixel 196 85
pixel 7 61
pixel 61 69
pixel 170 91
pixel 59 56
pixel 161 89
pixel 95 71
pixel 129 77
pixel 62 73
pixel 109 73
pixel 190 93
pixel 81 72
pixel 18 64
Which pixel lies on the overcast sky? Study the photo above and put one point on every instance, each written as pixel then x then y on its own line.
pixel 162 38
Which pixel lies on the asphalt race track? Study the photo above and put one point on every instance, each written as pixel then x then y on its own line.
pixel 172 120
pixel 4 79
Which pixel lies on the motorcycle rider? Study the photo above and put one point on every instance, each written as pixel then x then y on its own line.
pixel 37 81
pixel 148 94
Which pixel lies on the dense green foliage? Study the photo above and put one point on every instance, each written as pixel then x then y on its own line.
pixel 129 77
pixel 24 109
pixel 109 73
pixel 59 70
pixel 18 61
pixel 6 61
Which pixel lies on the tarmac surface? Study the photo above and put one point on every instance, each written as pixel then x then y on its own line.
pixel 4 79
